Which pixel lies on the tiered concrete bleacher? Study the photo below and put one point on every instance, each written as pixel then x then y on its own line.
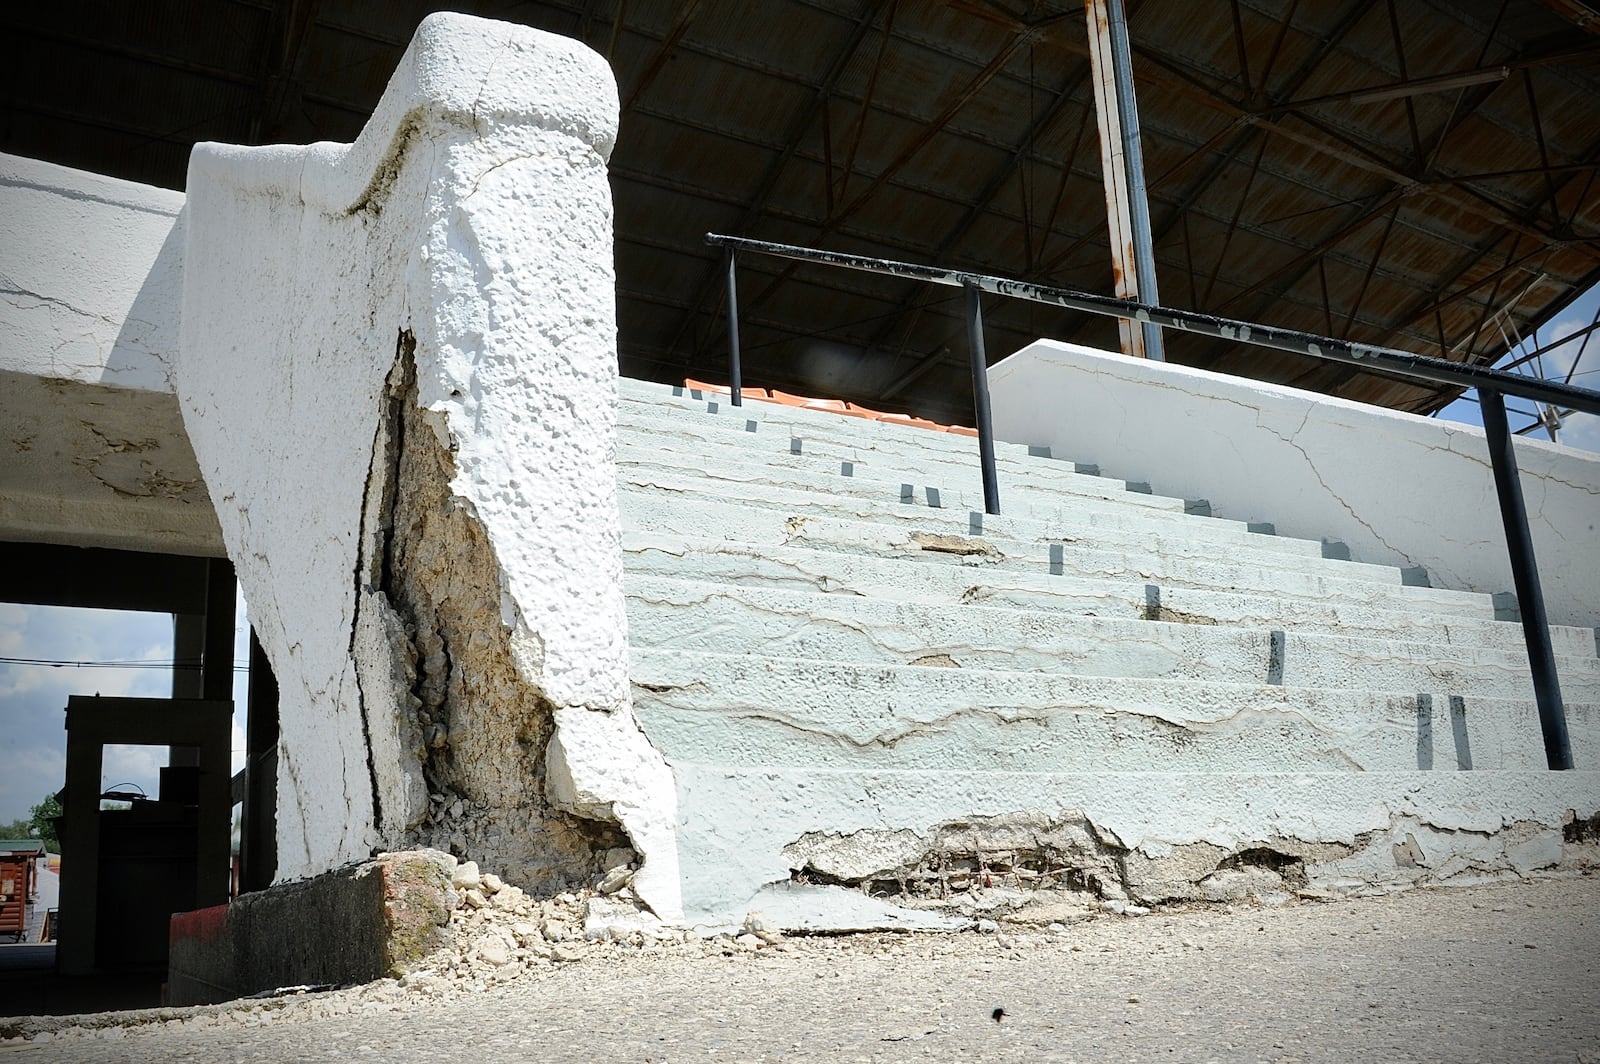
pixel 859 677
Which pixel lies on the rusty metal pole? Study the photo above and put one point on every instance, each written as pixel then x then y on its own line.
pixel 1144 256
pixel 1113 171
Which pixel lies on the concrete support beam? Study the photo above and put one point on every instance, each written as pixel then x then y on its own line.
pixel 399 358
pixel 95 453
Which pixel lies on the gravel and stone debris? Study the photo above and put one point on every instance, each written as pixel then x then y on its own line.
pixel 1430 974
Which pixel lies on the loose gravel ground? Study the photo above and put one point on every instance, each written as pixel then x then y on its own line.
pixel 1491 973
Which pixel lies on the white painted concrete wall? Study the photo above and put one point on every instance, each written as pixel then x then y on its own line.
pixel 93 451
pixel 473 211
pixel 91 275
pixel 1397 488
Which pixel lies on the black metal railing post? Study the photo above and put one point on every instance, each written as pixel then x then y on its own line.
pixel 980 401
pixel 1525 577
pixel 734 383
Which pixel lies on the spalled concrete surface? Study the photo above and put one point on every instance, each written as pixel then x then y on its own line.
pixel 1498 973
pixel 439 590
pixel 1313 465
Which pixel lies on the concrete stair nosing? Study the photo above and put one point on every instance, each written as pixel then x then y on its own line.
pixel 747 710
pixel 913 578
pixel 1042 505
pixel 697 616
pixel 690 509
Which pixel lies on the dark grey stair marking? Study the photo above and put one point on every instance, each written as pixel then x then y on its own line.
pixel 1425 732
pixel 1262 528
pixel 1415 576
pixel 847 469
pixel 1198 507
pixel 1337 549
pixel 1506 608
pixel 1458 730
pixel 1039 452
pixel 795 445
pixel 1140 486
pixel 933 498
pixel 1275 657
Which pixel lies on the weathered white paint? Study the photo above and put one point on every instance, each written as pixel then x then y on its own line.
pixel 91 275
pixel 727 618
pixel 847 678
pixel 93 452
pixel 473 211
pixel 1459 817
pixel 1397 488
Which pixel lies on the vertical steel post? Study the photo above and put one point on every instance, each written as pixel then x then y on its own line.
pixel 980 401
pixel 1525 575
pixel 734 382
pixel 1144 258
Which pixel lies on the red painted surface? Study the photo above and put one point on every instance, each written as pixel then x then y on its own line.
pixel 201 925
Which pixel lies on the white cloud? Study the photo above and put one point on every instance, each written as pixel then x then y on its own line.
pixel 138 765
pixel 33 698
pixel 1559 360
pixel 1581 430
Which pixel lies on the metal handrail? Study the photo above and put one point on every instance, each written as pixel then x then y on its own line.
pixel 1492 386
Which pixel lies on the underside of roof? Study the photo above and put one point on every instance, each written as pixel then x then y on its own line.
pixel 1420 175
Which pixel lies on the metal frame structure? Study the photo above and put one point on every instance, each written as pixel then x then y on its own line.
pixel 1492 386
pixel 1381 172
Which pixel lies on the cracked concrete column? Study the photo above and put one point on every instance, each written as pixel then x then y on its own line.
pixel 399 374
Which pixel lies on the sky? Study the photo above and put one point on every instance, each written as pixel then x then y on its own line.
pixel 1579 430
pixel 33 698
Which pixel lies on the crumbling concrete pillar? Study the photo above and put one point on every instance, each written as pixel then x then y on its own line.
pixel 399 374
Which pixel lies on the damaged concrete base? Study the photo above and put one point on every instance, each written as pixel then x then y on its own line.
pixel 456 721
pixel 956 842
pixel 353 925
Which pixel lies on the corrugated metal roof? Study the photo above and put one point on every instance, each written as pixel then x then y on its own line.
pixel 959 133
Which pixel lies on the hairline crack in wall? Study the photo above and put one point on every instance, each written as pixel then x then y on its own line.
pixel 437 296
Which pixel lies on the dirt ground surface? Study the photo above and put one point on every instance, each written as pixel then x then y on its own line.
pixel 1502 972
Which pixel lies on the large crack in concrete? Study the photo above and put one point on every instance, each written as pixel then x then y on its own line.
pixel 469 729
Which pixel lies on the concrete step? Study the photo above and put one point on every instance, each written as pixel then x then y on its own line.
pixel 643 398
pixel 944 579
pixel 707 508
pixel 692 615
pixel 905 450
pixel 1160 832
pixel 1066 510
pixel 746 711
